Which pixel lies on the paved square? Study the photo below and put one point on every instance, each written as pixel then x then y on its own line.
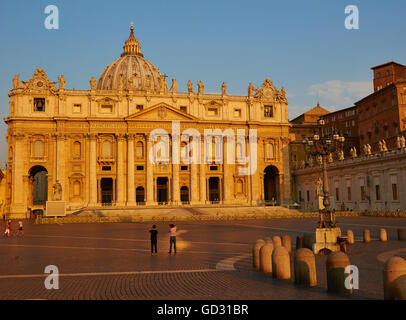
pixel 113 261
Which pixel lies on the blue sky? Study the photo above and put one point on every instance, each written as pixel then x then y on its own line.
pixel 301 45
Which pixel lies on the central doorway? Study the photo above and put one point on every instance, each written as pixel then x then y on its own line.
pixel 39 178
pixel 214 189
pixel 271 186
pixel 162 190
pixel 106 186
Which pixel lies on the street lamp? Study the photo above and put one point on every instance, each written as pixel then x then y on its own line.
pixel 322 145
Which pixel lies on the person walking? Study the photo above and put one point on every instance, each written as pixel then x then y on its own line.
pixel 172 238
pixel 154 240
pixel 7 232
pixel 20 231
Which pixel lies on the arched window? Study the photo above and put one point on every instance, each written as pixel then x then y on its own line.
pixel 76 188
pixel 239 186
pixel 269 151
pixel 139 150
pixel 107 149
pixel 76 150
pixel 39 149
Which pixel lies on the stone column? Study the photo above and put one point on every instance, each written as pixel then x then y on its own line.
pixel 18 208
pixel 194 195
pixel 120 170
pixel 150 174
pixel 60 162
pixel 255 176
pixel 175 184
pixel 130 171
pixel 92 171
pixel 175 170
pixel 228 184
pixel 202 176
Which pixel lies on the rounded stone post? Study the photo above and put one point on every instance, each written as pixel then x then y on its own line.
pixel 299 242
pixel 280 263
pixel 394 279
pixel 255 253
pixel 266 258
pixel 350 236
pixel 335 266
pixel 277 241
pixel 383 237
pixel 305 267
pixel 367 236
pixel 401 234
pixel 287 243
pixel 268 239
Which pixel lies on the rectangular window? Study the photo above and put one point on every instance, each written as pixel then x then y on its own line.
pixel 337 194
pixel 340 116
pixel 300 196
pixel 39 104
pixel 362 193
pixel 308 195
pixel 268 111
pixel 140 168
pixel 106 168
pixel 212 112
pixel 184 168
pixel 77 108
pixel 349 193
pixel 237 113
pixel 377 192
pixel 183 109
pixel 394 191
pixel 139 107
pixel 106 108
pixel 214 168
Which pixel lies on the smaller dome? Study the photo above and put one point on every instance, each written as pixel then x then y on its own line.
pixel 132 71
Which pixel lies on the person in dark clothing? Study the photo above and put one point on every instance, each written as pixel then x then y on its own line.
pixel 154 240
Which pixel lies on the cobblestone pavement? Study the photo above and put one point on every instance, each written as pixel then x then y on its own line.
pixel 113 261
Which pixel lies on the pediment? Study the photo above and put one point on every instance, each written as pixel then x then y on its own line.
pixel 162 112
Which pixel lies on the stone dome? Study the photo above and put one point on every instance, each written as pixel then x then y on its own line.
pixel 132 72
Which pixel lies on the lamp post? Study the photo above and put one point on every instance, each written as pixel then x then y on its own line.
pixel 321 145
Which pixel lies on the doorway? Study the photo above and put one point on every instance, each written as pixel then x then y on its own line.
pixel 214 189
pixel 106 186
pixel 162 190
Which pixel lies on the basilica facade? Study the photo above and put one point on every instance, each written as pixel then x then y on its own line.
pixel 91 148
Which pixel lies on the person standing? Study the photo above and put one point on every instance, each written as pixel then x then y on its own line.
pixel 20 228
pixel 172 238
pixel 154 240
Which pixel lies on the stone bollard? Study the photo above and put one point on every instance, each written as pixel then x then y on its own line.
pixel 277 241
pixel 255 253
pixel 299 242
pixel 383 237
pixel 305 267
pixel 401 234
pixel 350 236
pixel 287 243
pixel 280 263
pixel 308 240
pixel 394 279
pixel 265 254
pixel 335 266
pixel 367 236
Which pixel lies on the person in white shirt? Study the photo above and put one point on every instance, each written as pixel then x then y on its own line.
pixel 172 238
